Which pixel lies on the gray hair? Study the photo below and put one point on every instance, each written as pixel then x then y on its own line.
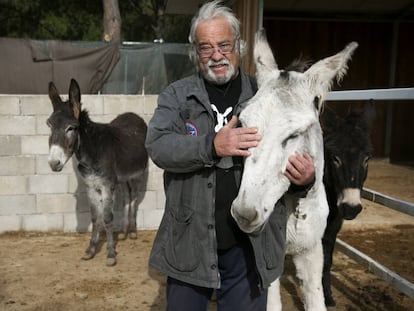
pixel 209 11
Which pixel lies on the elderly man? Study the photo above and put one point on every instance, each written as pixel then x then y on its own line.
pixel 193 136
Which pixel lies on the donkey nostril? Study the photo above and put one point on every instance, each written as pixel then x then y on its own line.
pixel 55 165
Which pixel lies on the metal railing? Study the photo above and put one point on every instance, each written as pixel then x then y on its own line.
pixel 375 94
pixel 381 271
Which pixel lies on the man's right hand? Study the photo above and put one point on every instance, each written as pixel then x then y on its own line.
pixel 235 141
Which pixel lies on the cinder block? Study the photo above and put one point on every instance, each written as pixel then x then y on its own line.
pixel 35 145
pixel 140 220
pixel 149 202
pixel 55 203
pixel 9 145
pixel 160 200
pixel 17 165
pixel 12 185
pixel 47 184
pixel 10 223
pixel 17 125
pixel 152 167
pixel 155 180
pixel 17 205
pixel 45 222
pixel 42 166
pixel 77 222
pixel 152 219
pixel 147 118
pixel 93 103
pixel 36 104
pixel 115 104
pixel 41 126
pixel 9 105
pixel 150 104
pixel 104 118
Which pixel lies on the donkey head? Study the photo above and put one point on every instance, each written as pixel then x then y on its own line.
pixel 347 151
pixel 286 111
pixel 64 125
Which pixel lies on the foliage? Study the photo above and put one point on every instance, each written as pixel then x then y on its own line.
pixel 140 20
pixel 82 20
pixel 52 19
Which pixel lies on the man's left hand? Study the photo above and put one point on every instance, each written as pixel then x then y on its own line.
pixel 300 169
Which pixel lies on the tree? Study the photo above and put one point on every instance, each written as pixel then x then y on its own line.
pixel 111 21
pixel 51 19
pixel 142 20
pixel 159 28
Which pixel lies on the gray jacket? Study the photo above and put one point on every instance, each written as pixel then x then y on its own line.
pixel 179 140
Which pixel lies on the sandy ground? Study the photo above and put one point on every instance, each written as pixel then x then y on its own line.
pixel 40 271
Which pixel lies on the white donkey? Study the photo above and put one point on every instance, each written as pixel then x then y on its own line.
pixel 286 111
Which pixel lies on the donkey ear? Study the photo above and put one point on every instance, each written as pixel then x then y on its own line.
pixel 54 95
pixel 75 97
pixel 369 113
pixel 263 57
pixel 324 71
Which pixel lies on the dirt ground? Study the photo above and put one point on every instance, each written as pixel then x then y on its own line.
pixel 40 271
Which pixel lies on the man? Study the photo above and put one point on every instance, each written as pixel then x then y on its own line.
pixel 194 138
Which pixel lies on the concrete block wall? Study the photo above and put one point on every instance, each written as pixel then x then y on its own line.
pixel 32 197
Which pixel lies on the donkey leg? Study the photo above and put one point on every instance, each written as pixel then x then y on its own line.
pixel 133 186
pixel 108 201
pixel 328 248
pixel 96 226
pixel 274 302
pixel 110 245
pixel 93 243
pixel 123 188
pixel 333 226
pixel 132 227
pixel 309 271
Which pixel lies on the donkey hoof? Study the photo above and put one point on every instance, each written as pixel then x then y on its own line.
pixel 110 262
pixel 133 235
pixel 122 235
pixel 87 256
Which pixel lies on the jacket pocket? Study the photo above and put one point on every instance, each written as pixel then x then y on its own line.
pixel 182 249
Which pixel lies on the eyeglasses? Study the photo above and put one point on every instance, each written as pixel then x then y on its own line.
pixel 206 50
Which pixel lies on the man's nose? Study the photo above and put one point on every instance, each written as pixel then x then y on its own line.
pixel 217 55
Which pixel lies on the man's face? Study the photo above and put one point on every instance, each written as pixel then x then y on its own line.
pixel 217 50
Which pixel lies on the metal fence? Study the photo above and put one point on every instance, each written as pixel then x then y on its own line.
pixel 384 273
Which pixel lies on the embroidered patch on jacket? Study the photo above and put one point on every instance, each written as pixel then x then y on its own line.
pixel 191 129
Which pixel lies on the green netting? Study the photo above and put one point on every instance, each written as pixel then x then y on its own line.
pixel 133 68
pixel 147 68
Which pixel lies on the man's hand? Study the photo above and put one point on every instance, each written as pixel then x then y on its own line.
pixel 234 141
pixel 300 169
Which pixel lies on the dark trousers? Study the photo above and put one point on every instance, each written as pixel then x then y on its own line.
pixel 239 290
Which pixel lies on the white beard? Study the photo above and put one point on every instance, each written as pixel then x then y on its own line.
pixel 209 75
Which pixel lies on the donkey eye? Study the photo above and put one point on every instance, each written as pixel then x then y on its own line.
pixel 69 129
pixel 316 102
pixel 290 137
pixel 337 161
pixel 366 159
